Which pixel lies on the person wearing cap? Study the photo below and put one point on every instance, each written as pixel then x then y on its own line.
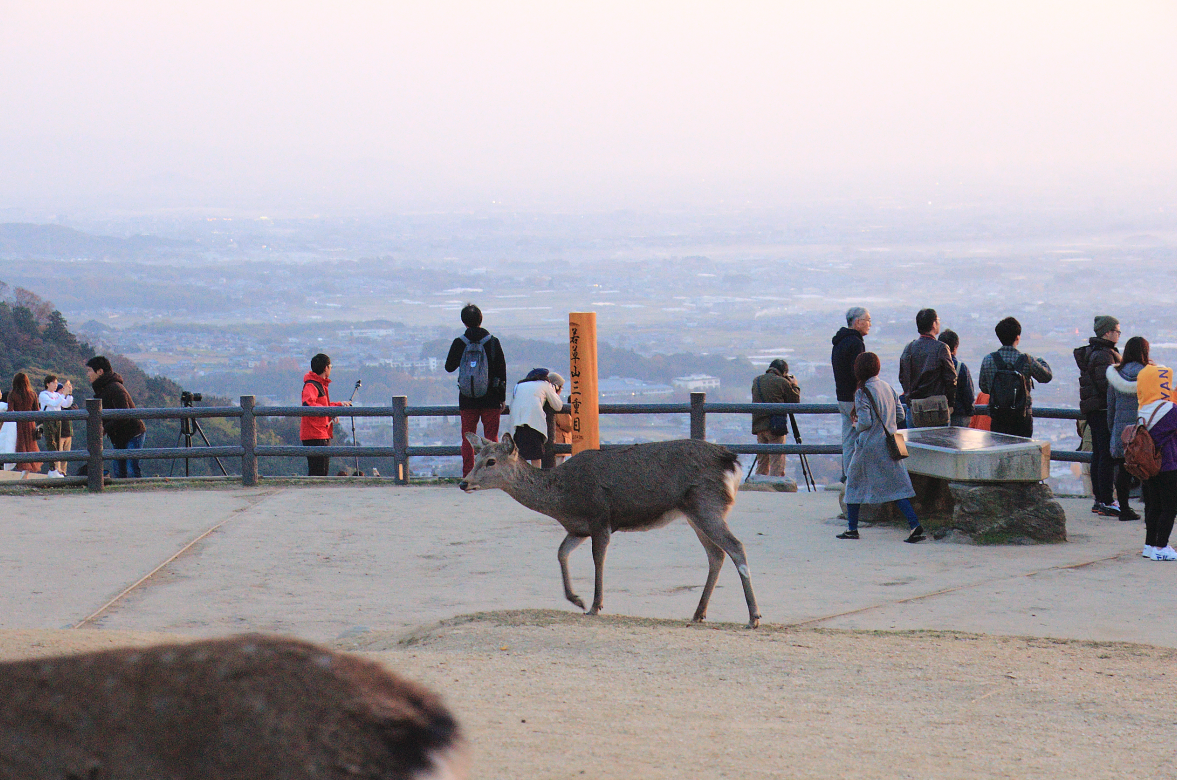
pixel 774 386
pixel 1093 359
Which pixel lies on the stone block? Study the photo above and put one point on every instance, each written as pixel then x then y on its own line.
pixel 969 455
pixel 759 482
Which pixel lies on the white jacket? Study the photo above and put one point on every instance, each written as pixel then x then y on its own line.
pixel 527 405
pixel 52 401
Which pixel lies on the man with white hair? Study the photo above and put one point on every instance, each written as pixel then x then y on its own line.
pixel 848 344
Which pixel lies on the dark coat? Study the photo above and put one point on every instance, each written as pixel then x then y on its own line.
pixel 1093 361
pixel 848 344
pixel 926 369
pixel 496 394
pixel 772 388
pixel 109 387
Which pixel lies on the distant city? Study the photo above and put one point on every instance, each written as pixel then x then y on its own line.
pixel 230 305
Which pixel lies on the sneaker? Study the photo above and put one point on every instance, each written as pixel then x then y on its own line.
pixel 1149 552
pixel 1165 554
pixel 917 535
pixel 1127 514
pixel 1106 510
pixel 55 473
pixel 848 535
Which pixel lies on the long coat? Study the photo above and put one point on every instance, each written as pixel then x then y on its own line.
pixel 873 476
pixel 1121 403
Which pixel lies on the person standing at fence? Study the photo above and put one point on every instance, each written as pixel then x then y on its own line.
pixel 529 418
pixel 1122 413
pixel 962 410
pixel 22 399
pixel 1010 375
pixel 478 358
pixel 54 398
pixel 125 434
pixel 774 386
pixel 848 345
pixel 874 476
pixel 1155 393
pixel 317 431
pixel 1093 360
pixel 927 374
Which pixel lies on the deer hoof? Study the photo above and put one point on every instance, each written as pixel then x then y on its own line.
pixel 577 600
pixel 594 611
pixel 754 622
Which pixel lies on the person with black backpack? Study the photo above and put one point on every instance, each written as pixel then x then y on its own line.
pixel 1093 359
pixel 1008 376
pixel 317 431
pixel 478 358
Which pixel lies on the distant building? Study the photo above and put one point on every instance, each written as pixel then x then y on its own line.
pixel 618 388
pixel 696 382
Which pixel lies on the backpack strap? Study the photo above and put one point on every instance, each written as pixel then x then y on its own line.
pixel 484 340
pixel 318 387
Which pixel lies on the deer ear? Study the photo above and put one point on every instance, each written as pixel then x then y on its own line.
pixel 476 441
pixel 509 442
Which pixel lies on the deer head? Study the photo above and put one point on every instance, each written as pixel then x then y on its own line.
pixel 493 462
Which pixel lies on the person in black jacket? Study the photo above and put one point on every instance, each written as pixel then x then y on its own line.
pixel 848 345
pixel 489 407
pixel 962 410
pixel 124 434
pixel 1093 360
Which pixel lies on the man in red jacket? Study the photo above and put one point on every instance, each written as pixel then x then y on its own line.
pixel 317 431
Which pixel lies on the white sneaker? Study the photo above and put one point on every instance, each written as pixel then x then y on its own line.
pixel 55 473
pixel 1165 554
pixel 1150 552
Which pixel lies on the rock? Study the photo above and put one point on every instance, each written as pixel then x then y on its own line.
pixel 770 484
pixel 985 513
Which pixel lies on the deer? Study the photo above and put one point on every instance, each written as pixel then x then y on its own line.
pixel 250 706
pixel 638 488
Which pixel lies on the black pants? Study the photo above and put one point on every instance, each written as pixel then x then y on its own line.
pixel 1123 484
pixel 1015 426
pixel 1101 456
pixel 1160 507
pixel 317 464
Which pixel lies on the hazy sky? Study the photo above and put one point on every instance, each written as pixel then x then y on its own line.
pixel 403 105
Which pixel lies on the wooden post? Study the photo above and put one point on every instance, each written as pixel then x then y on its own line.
pixel 94 445
pixel 582 379
pixel 400 438
pixel 698 416
pixel 248 442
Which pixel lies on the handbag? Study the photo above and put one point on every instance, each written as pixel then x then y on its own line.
pixel 896 444
pixel 39 432
pixel 778 424
pixel 930 412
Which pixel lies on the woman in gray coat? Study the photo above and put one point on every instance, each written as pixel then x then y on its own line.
pixel 873 476
pixel 1122 413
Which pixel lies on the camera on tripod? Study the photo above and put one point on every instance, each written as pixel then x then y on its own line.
pixel 186 398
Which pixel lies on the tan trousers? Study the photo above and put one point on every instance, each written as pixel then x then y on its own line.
pixel 770 465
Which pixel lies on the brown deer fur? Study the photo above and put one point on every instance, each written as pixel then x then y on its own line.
pixel 597 492
pixel 249 707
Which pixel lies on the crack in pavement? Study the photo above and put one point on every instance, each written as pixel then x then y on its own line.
pixel 966 586
pixel 251 502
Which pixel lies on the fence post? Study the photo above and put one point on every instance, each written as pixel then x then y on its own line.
pixel 248 442
pixel 94 444
pixel 400 438
pixel 698 417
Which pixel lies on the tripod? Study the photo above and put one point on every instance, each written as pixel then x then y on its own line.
pixel 806 474
pixel 189 427
pixel 354 390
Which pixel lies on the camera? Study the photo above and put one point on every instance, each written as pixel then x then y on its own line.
pixel 187 398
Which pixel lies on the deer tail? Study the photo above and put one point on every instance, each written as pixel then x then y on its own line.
pixel 731 474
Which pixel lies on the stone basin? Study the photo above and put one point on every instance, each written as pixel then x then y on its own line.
pixel 971 455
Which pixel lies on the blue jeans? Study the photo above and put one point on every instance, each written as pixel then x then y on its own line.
pixel 129 468
pixel 904 505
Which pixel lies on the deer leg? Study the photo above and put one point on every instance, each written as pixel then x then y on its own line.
pixel 711 520
pixel 714 564
pixel 569 544
pixel 600 544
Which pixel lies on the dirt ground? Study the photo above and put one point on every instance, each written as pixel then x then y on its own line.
pixel 547 694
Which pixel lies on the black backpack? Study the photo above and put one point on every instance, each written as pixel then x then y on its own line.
pixel 1009 392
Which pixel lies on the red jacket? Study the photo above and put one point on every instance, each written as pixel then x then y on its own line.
pixel 316 427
